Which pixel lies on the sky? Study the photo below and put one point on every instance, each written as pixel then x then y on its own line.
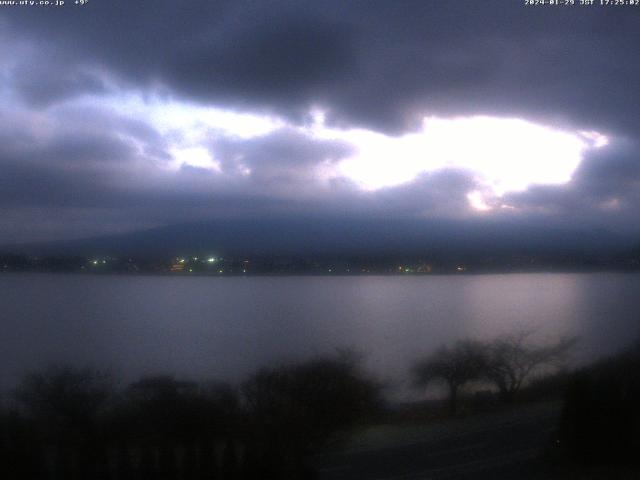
pixel 127 115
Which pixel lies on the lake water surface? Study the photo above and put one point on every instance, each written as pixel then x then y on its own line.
pixel 208 327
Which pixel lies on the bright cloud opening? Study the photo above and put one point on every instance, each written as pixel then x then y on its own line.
pixel 503 154
pixel 194 157
pixel 476 200
pixel 189 129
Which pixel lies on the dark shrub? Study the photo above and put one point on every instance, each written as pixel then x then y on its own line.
pixel 601 416
pixel 296 408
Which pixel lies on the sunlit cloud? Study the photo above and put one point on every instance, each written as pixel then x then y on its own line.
pixel 506 154
pixel 191 120
pixel 502 154
pixel 477 201
pixel 201 120
pixel 194 157
pixel 598 140
pixel 296 118
pixel 188 128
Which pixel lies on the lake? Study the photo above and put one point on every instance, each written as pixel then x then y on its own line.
pixel 225 328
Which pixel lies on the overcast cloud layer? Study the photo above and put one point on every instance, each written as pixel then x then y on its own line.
pixel 125 115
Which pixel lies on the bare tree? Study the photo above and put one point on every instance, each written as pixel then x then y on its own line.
pixel 511 359
pixel 456 365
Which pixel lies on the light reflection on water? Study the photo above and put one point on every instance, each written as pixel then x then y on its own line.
pixel 227 327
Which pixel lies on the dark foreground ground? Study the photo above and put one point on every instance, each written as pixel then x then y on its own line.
pixel 518 443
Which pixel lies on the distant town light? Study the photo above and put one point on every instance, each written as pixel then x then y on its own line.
pixel 211 259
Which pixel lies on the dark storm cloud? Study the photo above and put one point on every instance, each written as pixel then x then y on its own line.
pixel 68 172
pixel 283 63
pixel 376 63
pixel 282 158
pixel 614 171
pixel 44 81
pixel 73 157
pixel 605 189
pixel 93 160
pixel 371 64
pixel 244 54
pixel 438 194
pixel 106 169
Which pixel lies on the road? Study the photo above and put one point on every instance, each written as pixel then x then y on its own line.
pixel 498 445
